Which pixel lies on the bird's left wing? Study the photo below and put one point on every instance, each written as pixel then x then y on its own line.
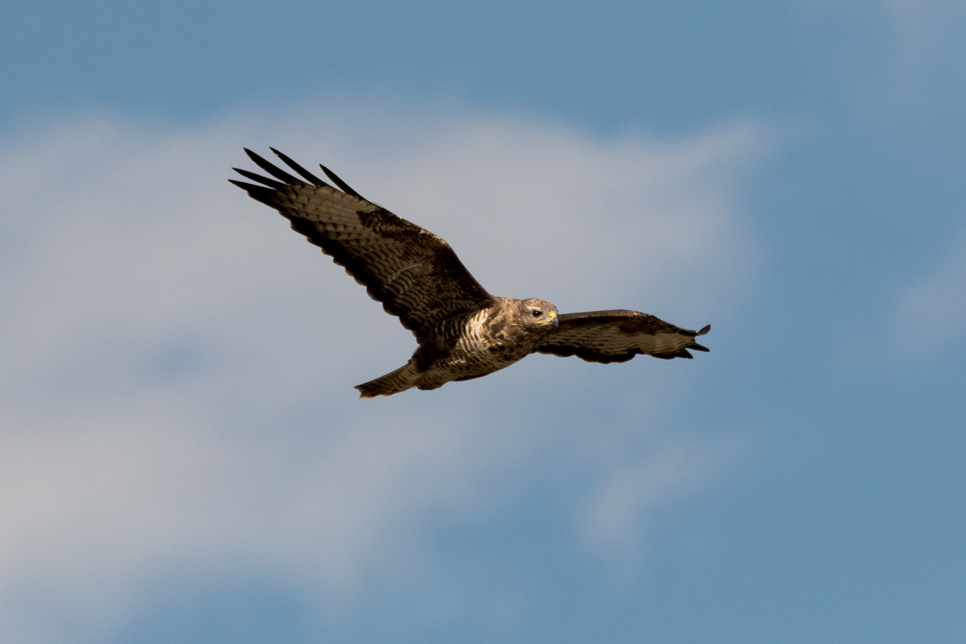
pixel 414 273
pixel 618 336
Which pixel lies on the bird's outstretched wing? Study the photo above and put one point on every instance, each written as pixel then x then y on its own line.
pixel 618 336
pixel 414 273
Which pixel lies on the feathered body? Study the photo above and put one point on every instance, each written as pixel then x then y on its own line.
pixel 470 345
pixel 463 332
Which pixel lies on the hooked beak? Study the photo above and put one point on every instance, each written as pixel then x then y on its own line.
pixel 552 319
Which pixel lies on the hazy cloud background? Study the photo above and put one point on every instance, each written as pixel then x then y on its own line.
pixel 182 455
pixel 179 365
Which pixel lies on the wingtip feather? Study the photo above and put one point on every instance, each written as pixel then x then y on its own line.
pixel 305 174
pixel 343 186
pixel 271 183
pixel 243 185
pixel 271 169
pixel 258 193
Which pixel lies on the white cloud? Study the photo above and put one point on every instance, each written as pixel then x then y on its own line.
pixel 177 365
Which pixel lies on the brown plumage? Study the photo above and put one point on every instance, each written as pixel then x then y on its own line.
pixel 463 332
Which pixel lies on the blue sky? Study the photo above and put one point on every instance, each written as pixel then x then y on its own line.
pixel 182 455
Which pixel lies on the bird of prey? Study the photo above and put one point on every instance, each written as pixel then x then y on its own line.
pixel 463 332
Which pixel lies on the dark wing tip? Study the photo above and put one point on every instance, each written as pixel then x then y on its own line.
pixel 703 331
pixel 305 174
pixel 343 186
pixel 683 353
pixel 275 171
pixel 260 179
pixel 698 347
pixel 249 187
pixel 258 193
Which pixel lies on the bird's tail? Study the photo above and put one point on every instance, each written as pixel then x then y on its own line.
pixel 403 378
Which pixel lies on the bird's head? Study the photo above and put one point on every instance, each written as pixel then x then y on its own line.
pixel 538 315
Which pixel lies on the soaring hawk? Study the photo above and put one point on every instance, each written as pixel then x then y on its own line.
pixel 463 332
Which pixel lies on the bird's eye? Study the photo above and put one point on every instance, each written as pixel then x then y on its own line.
pixel 537 314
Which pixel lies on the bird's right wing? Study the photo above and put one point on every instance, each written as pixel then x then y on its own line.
pixel 414 273
pixel 618 336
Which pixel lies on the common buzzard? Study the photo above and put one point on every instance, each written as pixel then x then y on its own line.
pixel 463 332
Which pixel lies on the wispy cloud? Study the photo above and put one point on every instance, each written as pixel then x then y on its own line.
pixel 929 315
pixel 632 491
pixel 177 365
pixel 899 55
